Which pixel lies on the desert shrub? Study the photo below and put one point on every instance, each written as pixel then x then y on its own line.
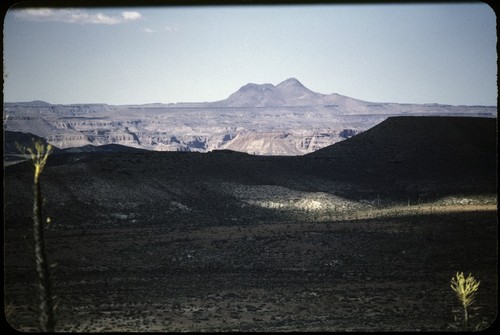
pixel 465 289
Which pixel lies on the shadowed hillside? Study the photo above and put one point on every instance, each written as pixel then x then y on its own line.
pixel 416 155
pixel 11 139
pixel 402 159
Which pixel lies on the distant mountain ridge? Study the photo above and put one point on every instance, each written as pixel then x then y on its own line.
pixel 262 119
pixel 288 93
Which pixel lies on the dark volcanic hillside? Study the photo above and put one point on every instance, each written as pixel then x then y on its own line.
pixel 404 158
pixel 12 138
pixel 418 155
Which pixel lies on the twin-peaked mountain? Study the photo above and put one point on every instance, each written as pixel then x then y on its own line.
pixel 262 119
pixel 289 93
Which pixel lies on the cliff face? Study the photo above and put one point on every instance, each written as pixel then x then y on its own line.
pixel 265 131
pixel 286 119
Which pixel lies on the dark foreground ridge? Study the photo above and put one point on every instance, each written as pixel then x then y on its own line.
pixel 418 156
pixel 401 158
pixel 173 241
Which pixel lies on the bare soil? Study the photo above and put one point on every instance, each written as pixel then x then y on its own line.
pixel 376 274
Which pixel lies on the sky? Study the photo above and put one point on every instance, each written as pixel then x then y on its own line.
pixel 414 53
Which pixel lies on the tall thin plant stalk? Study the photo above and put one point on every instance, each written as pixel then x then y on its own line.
pixel 39 154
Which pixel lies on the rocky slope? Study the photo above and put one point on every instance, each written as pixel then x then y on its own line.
pixel 402 159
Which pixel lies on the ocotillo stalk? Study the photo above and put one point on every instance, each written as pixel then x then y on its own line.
pixel 46 319
pixel 39 155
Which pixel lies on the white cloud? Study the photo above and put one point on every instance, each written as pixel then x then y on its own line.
pixel 131 16
pixel 76 16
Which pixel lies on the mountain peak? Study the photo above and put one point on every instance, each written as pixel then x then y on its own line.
pixel 255 87
pixel 289 92
pixel 290 82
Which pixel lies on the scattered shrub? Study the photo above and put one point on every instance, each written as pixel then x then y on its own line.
pixel 465 289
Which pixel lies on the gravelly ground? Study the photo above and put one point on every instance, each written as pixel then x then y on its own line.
pixel 359 275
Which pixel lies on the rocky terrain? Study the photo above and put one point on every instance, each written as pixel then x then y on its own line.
pixel 286 119
pixel 364 235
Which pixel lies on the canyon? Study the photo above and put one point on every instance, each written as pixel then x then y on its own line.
pixel 262 119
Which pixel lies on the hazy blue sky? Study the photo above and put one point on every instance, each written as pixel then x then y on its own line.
pixel 382 53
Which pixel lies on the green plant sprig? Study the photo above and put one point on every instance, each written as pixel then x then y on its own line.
pixel 38 155
pixel 465 289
